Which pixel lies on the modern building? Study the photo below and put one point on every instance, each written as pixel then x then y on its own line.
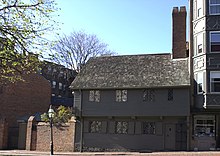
pixel 60 79
pixel 205 73
pixel 136 102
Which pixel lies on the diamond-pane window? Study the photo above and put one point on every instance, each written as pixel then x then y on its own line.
pixel 148 127
pixel 95 126
pixel 94 95
pixel 121 95
pixel 121 127
pixel 149 95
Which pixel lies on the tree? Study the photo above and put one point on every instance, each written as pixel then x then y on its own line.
pixel 75 49
pixel 61 115
pixel 22 27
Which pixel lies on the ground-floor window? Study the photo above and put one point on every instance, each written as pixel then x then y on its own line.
pixel 95 126
pixel 148 127
pixel 204 126
pixel 121 127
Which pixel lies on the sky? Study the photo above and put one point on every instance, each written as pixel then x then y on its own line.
pixel 127 26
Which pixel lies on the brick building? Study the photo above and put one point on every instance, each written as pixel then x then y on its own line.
pixel 20 100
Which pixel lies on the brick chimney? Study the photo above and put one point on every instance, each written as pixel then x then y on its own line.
pixel 179 33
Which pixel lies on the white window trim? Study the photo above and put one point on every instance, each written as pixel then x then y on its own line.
pixel 197 75
pixel 210 81
pixel 210 9
pixel 212 32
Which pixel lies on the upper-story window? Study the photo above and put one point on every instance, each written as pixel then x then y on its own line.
pixel 149 95
pixel 60 86
pixel 215 41
pixel 94 95
pixel 121 95
pixel 215 81
pixel 214 7
pixel 200 82
pixel 54 84
pixel 199 5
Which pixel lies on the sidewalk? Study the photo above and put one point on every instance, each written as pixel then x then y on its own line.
pixel 38 153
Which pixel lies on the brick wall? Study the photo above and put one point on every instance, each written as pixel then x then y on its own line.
pixel 38 138
pixel 3 133
pixel 25 98
pixel 20 100
pixel 179 33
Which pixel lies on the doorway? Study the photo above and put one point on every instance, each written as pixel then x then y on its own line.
pixel 170 136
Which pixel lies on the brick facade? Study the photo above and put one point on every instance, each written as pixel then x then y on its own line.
pixel 22 99
pixel 179 33
pixel 3 133
pixel 38 138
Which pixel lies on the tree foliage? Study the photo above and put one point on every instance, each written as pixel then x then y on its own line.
pixel 61 115
pixel 75 49
pixel 23 25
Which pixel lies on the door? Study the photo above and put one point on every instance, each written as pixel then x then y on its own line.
pixel 170 133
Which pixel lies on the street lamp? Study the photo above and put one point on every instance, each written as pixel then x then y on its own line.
pixel 51 115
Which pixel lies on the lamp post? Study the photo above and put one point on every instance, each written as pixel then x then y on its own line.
pixel 51 115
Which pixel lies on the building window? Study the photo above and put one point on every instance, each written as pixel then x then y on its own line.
pixel 95 127
pixel 204 126
pixel 148 127
pixel 94 95
pixel 214 7
pixel 199 82
pixel 60 86
pixel 215 41
pixel 170 95
pixel 121 95
pixel 149 95
pixel 121 127
pixel 215 81
pixel 54 84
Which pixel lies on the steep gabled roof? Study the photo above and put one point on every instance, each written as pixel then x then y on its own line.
pixel 133 71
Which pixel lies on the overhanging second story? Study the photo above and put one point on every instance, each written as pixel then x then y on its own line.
pixel 133 85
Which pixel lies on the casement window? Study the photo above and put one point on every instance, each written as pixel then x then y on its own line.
pixel 170 95
pixel 215 41
pixel 54 84
pixel 215 81
pixel 199 82
pixel 94 95
pixel 121 95
pixel 121 127
pixel 148 127
pixel 214 7
pixel 95 126
pixel 149 95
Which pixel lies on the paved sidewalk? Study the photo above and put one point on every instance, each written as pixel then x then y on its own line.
pixel 38 153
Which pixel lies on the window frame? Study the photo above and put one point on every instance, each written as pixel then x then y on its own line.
pixel 121 95
pixel 98 126
pixel 121 128
pixel 210 5
pixel 198 78
pixel 94 95
pixel 148 131
pixel 212 81
pixel 170 94
pixel 149 95
pixel 210 42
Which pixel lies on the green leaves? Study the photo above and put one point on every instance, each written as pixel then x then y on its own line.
pixel 23 24
pixel 62 115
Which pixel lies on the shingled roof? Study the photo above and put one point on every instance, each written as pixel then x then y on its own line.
pixel 133 71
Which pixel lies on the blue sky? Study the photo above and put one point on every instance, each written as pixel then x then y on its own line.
pixel 127 26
